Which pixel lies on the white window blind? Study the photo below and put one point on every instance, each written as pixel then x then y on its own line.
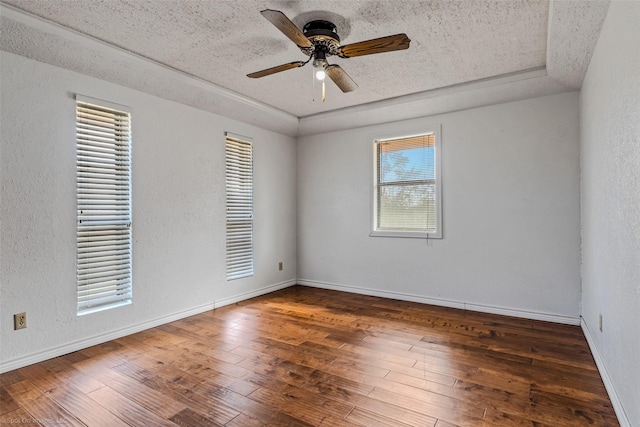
pixel 103 189
pixel 406 187
pixel 239 179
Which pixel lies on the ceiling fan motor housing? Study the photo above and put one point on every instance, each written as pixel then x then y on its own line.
pixel 324 37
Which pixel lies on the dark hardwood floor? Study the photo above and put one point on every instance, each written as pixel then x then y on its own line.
pixel 305 356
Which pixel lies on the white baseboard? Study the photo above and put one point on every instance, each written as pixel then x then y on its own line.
pixel 25 360
pixel 534 315
pixel 615 401
pixel 246 295
pixel 29 359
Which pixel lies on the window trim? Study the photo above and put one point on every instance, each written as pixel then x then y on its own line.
pixel 436 130
pixel 124 266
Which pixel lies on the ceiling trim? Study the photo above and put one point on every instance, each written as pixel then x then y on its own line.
pixel 441 91
pixel 243 102
pixel 510 87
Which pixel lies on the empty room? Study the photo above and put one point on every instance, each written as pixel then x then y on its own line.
pixel 320 213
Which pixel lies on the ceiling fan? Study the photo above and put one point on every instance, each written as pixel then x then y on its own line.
pixel 318 40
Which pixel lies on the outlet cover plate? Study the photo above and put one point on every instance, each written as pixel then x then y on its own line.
pixel 19 321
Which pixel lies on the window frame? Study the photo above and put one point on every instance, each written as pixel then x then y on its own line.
pixel 117 213
pixel 240 264
pixel 403 134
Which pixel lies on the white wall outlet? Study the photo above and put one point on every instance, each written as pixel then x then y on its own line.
pixel 19 321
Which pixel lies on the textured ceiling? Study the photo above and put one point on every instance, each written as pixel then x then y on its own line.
pixel 221 41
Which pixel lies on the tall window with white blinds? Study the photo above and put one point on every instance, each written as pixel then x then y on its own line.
pixel 239 185
pixel 103 189
pixel 407 199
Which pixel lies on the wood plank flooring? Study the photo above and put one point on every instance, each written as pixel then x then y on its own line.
pixel 312 357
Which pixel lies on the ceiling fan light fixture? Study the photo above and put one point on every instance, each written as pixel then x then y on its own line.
pixel 319 64
pixel 319 69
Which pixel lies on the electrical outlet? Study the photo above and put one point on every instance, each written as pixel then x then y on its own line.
pixel 600 322
pixel 19 321
pixel 280 266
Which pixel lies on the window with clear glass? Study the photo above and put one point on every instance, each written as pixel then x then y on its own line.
pixel 407 187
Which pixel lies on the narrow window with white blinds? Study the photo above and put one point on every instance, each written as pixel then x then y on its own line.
pixel 407 187
pixel 103 191
pixel 239 185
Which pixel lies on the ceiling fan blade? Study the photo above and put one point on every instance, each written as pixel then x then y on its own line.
pixel 341 78
pixel 287 27
pixel 368 47
pixel 273 70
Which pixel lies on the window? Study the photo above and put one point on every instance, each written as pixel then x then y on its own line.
pixel 239 176
pixel 406 195
pixel 103 190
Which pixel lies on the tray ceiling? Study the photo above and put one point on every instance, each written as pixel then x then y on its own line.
pixel 220 41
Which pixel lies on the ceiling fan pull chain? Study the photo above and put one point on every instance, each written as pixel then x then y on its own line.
pixel 313 85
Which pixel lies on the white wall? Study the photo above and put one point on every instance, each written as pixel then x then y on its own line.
pixel 178 211
pixel 511 213
pixel 610 161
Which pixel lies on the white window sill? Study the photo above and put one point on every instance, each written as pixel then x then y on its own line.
pixel 405 234
pixel 90 310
